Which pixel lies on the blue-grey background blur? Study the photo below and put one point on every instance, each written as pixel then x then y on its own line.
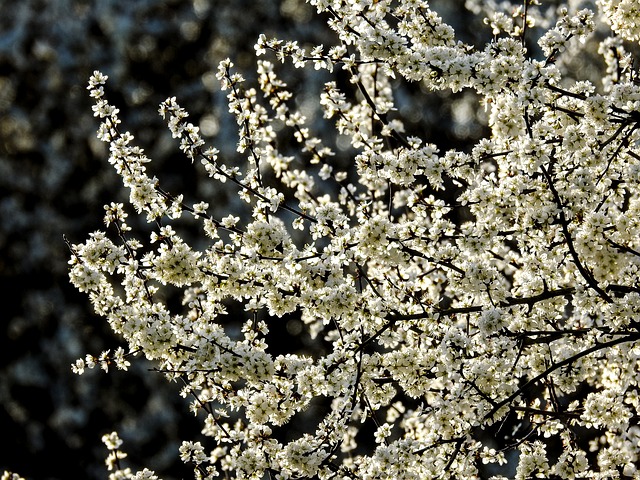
pixel 55 179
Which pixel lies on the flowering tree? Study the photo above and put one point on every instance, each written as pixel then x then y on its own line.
pixel 473 313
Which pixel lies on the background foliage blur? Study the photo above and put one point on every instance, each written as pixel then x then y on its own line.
pixel 54 180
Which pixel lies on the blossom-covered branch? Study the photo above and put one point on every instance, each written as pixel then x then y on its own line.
pixel 449 294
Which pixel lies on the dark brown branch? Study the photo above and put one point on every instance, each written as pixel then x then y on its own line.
pixel 556 366
pixel 586 274
pixel 509 302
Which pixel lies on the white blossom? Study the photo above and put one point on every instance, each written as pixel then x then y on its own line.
pixel 447 295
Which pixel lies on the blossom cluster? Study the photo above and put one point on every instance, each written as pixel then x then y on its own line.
pixel 623 16
pixel 450 292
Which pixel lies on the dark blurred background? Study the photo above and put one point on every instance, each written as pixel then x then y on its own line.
pixel 55 179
